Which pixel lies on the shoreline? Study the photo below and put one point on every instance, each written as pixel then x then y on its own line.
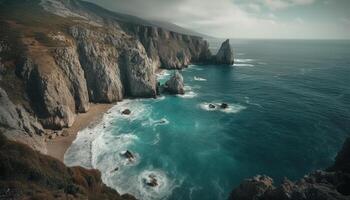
pixel 58 146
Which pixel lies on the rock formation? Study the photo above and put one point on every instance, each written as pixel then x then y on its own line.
pixel 225 54
pixel 171 50
pixel 57 69
pixel 175 85
pixel 17 124
pixel 331 184
pixel 126 112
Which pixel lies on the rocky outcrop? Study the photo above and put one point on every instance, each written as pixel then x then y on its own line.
pixel 68 60
pixel 115 65
pixel 27 174
pixel 47 89
pixel 175 85
pixel 99 57
pixel 332 184
pixel 139 77
pixel 171 50
pixel 253 188
pixel 225 54
pixel 17 124
pixel 342 161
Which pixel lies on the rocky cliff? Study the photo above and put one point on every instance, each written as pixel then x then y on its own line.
pixel 58 56
pixel 225 54
pixel 330 184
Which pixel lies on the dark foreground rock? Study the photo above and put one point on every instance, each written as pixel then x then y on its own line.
pixel 175 85
pixel 331 184
pixel 27 174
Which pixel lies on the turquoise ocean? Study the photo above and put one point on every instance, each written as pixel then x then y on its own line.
pixel 289 113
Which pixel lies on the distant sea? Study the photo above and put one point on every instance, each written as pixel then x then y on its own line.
pixel 288 114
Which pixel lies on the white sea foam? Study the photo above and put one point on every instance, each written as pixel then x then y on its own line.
pixel 242 60
pixel 160 98
pixel 157 192
pixel 243 65
pixel 135 183
pixel 158 122
pixel 102 147
pixel 188 92
pixel 232 108
pixel 199 79
pixel 193 67
pixel 94 141
pixel 247 101
pixel 137 108
pixel 188 95
pixel 163 75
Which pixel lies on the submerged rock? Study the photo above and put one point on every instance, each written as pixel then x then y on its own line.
pixel 224 105
pixel 212 106
pixel 225 54
pixel 127 154
pixel 175 85
pixel 151 180
pixel 126 112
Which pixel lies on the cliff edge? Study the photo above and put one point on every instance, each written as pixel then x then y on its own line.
pixel 58 56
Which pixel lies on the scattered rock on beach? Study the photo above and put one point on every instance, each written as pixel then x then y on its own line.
pixel 65 133
pixel 126 112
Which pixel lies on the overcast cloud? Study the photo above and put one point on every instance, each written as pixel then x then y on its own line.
pixel 246 18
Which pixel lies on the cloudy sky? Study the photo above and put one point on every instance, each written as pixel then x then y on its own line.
pixel 316 19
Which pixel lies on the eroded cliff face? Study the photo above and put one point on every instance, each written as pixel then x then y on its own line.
pixel 80 54
pixel 171 50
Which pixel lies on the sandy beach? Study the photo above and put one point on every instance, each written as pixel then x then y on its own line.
pixel 58 146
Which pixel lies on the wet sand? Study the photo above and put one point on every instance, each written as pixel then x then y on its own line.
pixel 58 146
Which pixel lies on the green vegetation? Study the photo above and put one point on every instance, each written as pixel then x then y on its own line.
pixel 27 174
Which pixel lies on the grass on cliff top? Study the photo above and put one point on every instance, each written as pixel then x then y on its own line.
pixel 27 174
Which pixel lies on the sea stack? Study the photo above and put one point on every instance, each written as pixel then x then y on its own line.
pixel 225 54
pixel 175 85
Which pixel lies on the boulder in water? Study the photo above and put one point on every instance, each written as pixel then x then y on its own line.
pixel 224 105
pixel 151 180
pixel 225 54
pixel 127 154
pixel 211 106
pixel 126 112
pixel 175 85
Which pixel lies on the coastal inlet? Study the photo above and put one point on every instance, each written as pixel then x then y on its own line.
pixel 286 115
